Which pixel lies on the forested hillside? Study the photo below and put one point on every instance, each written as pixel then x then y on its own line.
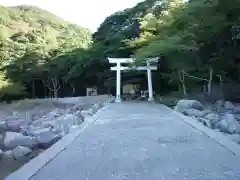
pixel 197 43
pixel 33 43
pixel 200 43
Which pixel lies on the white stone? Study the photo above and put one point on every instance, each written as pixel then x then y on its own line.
pixel 8 154
pixel 47 139
pixel 13 140
pixel 20 151
pixel 49 123
pixel 237 116
pixel 30 129
pixel 78 114
pixel 229 106
pixel 237 109
pixel 188 104
pixel 72 119
pixel 3 126
pixel 219 104
pixel 205 122
pixel 96 106
pixel 15 125
pixel 63 123
pixel 88 112
pixel 39 132
pixel 194 112
pixel 213 117
pixel 228 124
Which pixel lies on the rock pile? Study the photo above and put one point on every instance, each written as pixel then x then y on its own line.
pixel 20 136
pixel 222 115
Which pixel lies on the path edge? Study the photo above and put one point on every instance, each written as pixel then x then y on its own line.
pixel 215 135
pixel 28 170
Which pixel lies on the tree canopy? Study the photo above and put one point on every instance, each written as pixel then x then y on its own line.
pixel 197 43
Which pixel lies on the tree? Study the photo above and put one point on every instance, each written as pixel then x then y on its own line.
pixel 199 30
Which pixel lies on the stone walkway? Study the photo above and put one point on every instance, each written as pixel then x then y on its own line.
pixel 142 141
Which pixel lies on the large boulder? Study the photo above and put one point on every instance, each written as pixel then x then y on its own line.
pixel 228 124
pixel 40 131
pixel 49 124
pixel 64 122
pixel 13 139
pixel 219 106
pixel 8 154
pixel 21 151
pixel 237 109
pixel 182 105
pixel 3 126
pixel 79 117
pixel 96 106
pixel 55 113
pixel 193 112
pixel 219 103
pixel 86 113
pixel 237 116
pixel 1 153
pixel 15 125
pixel 205 122
pixel 69 120
pixel 214 118
pixel 229 106
pixel 2 140
pixel 31 129
pixel 111 99
pixel 47 139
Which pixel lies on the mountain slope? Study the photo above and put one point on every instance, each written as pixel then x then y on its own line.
pixel 26 19
pixel 24 27
pixel 30 40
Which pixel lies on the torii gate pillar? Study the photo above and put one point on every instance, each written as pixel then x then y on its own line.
pixel 118 83
pixel 150 89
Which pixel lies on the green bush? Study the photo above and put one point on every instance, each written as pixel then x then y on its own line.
pixel 9 90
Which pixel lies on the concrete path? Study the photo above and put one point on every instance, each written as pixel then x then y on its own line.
pixel 142 141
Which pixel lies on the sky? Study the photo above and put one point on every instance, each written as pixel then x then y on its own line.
pixel 86 13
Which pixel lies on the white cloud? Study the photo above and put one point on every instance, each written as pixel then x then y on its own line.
pixel 87 13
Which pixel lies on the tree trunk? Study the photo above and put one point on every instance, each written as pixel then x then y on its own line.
pixel 73 89
pixel 210 81
pixel 182 81
pixel 33 88
pixel 183 85
pixel 45 91
pixel 221 84
pixel 53 85
pixel 55 93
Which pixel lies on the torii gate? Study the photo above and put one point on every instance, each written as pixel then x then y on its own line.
pixel 119 68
